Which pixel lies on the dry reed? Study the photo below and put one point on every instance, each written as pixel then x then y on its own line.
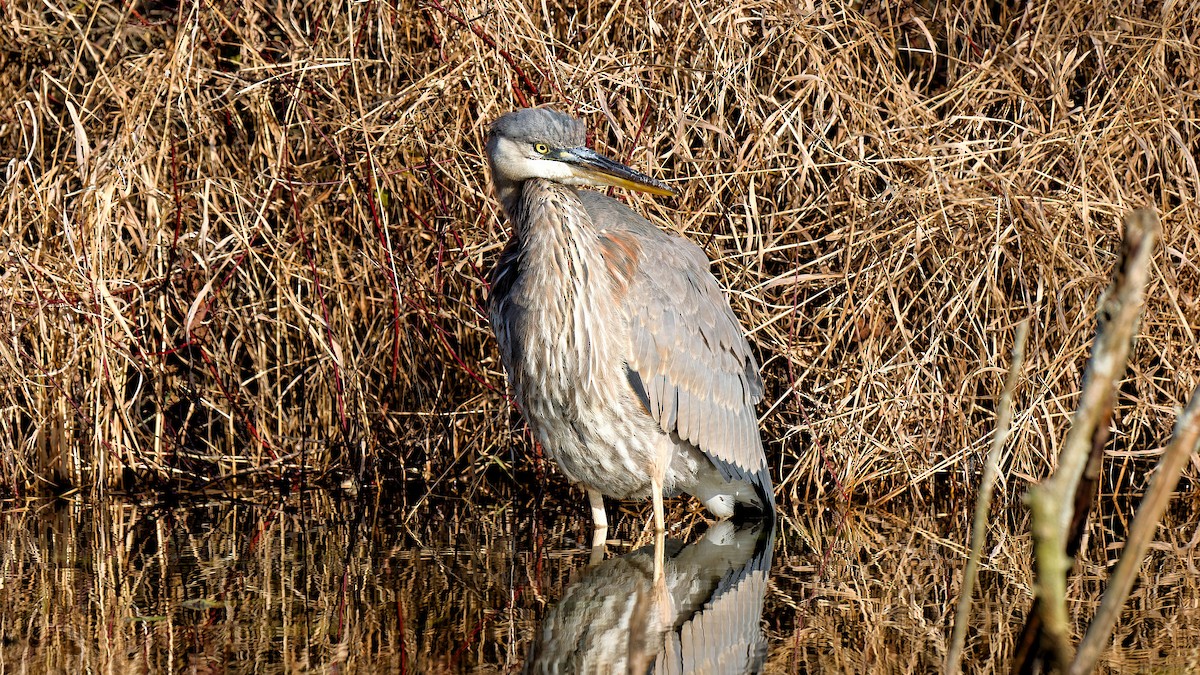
pixel 249 241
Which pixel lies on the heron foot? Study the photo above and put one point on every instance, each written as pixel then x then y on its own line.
pixel 659 528
pixel 599 543
pixel 600 523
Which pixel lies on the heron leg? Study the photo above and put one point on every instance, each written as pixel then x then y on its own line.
pixel 656 495
pixel 656 490
pixel 660 547
pixel 599 518
pixel 600 525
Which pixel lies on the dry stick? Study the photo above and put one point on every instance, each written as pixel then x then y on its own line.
pixel 1185 444
pixel 983 504
pixel 1052 502
pixel 1026 656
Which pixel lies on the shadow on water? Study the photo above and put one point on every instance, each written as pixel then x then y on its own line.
pixel 317 583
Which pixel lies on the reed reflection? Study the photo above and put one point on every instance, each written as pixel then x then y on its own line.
pixel 704 616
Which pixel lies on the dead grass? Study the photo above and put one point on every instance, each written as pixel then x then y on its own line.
pixel 248 241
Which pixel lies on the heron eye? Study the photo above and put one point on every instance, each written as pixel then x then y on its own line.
pixel 541 148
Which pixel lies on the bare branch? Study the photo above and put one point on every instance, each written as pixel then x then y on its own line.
pixel 1053 501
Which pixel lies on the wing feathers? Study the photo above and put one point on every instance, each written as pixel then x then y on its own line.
pixel 687 347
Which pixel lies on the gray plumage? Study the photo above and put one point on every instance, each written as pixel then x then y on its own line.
pixel 622 351
pixel 704 618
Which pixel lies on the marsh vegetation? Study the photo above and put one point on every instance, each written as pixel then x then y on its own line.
pixel 244 253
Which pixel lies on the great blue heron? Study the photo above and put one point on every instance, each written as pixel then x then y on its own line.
pixel 622 351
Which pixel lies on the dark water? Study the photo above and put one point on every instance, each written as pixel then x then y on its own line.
pixel 319 584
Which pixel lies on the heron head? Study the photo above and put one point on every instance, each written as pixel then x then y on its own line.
pixel 545 143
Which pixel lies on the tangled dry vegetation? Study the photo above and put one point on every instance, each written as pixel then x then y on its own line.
pixel 249 241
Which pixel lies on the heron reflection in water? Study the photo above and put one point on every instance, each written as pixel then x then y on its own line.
pixel 703 616
pixel 623 353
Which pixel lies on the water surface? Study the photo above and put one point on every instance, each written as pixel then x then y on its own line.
pixel 257 584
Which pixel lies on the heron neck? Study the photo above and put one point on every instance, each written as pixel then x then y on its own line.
pixel 553 226
pixel 562 282
pixel 519 199
pixel 509 193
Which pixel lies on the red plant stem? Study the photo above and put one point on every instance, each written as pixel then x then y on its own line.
pixel 482 310
pixel 479 275
pixel 362 27
pixel 424 312
pixel 433 34
pixel 440 233
pixel 637 137
pixel 512 601
pixel 627 156
pixel 217 287
pixel 172 350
